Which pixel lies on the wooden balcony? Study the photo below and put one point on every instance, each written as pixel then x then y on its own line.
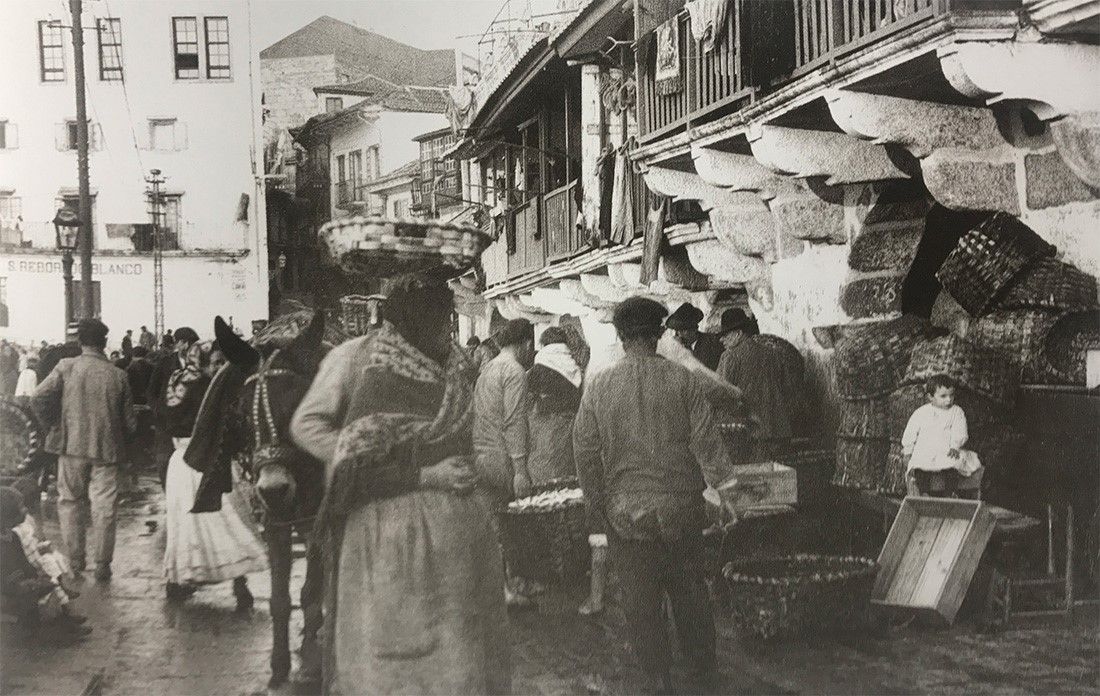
pixel 721 81
pixel 560 215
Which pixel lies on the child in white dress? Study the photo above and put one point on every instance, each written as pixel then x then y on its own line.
pixel 933 443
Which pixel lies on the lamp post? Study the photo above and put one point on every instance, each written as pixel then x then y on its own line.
pixel 66 225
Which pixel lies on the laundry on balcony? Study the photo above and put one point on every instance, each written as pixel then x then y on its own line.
pixel 622 201
pixel 668 58
pixel 708 19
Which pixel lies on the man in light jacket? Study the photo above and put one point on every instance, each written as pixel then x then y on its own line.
pixel 88 401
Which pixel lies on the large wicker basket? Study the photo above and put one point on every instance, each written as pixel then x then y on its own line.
pixel 1051 284
pixel 1062 354
pixel 19 441
pixel 357 312
pixel 774 597
pixel 985 372
pixel 987 259
pixel 860 462
pixel 864 418
pixel 547 545
pixel 1018 334
pixel 375 247
pixel 871 358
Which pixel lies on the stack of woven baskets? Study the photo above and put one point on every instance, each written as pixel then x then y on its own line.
pixel 871 360
pixel 1040 313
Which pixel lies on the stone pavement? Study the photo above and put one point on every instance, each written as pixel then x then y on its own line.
pixel 141 644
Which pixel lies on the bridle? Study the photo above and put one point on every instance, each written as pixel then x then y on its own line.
pixel 268 447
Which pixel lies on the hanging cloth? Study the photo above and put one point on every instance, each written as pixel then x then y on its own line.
pixel 602 231
pixel 668 58
pixel 622 201
pixel 654 234
pixel 708 19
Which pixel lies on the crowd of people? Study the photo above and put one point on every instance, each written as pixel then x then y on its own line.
pixel 103 416
pixel 422 443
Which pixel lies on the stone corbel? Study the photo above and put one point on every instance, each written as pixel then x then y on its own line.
pixel 1056 79
pixel 574 290
pixel 626 276
pixel 601 287
pixel 808 153
pixel 555 301
pixel 807 210
pixel 511 307
pixel 684 186
pixel 1078 141
pixel 723 264
pixel 732 171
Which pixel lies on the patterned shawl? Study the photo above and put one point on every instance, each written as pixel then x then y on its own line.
pixel 374 442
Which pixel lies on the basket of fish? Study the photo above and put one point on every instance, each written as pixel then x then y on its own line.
pixel 545 535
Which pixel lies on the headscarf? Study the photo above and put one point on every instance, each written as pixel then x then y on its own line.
pixel 182 380
pixel 558 357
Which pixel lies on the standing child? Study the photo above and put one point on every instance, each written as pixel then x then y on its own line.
pixel 933 441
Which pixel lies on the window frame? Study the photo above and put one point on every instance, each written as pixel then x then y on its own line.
pixel 176 43
pixel 207 43
pixel 44 72
pixel 338 101
pixel 4 133
pixel 108 74
pixel 164 122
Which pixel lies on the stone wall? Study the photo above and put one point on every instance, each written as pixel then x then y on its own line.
pixel 288 85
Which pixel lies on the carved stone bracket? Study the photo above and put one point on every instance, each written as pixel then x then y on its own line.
pixel 601 287
pixel 1078 141
pixel 574 290
pixel 626 276
pixel 808 210
pixel 556 301
pixel 724 264
pixel 1057 79
pixel 510 307
pixel 732 171
pixel 808 153
pixel 684 185
pixel 746 226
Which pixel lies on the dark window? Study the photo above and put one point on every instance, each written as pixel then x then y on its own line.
pixel 185 42
pixel 51 52
pixel 217 47
pixel 110 49
pixel 333 104
pixel 73 136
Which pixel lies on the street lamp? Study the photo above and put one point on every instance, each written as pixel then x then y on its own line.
pixel 66 225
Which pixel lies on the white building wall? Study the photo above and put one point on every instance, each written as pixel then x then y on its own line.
pixel 398 129
pixel 212 162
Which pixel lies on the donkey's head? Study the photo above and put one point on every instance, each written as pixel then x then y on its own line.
pixel 273 376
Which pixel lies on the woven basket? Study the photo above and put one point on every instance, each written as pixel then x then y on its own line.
pixel 870 359
pixel 1062 354
pixel 772 597
pixel 864 418
pixel 547 545
pixel 19 441
pixel 1051 284
pixel 375 247
pixel 883 250
pixel 894 473
pixel 860 462
pixel 872 297
pixel 356 313
pixel 987 259
pixel 1017 334
pixel 791 356
pixel 980 411
pixel 982 371
pixel 286 327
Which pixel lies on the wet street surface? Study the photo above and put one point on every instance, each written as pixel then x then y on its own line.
pixel 143 644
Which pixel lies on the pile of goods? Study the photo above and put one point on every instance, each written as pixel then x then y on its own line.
pixel 1035 318
pixel 19 441
pixel 798 595
pixel 545 535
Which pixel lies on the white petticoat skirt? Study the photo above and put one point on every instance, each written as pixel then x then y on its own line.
pixel 207 547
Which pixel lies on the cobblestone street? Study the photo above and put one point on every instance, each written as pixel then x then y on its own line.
pixel 143 645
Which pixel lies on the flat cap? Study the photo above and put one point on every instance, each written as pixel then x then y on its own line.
pixel 638 313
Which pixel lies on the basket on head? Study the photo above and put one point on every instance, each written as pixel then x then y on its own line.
pixel 1051 284
pixel 987 259
pixel 982 371
pixel 375 247
pixel 1062 355
pixel 871 358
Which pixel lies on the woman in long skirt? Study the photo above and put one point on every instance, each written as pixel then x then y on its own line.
pixel 208 547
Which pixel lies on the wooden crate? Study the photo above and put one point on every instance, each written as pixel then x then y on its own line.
pixel 931 554
pixel 759 485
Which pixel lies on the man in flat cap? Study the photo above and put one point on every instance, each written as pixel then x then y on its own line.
pixel 645 444
pixel 762 376
pixel 89 401
pixel 707 348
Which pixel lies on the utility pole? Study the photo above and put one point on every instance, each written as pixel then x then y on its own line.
pixel 156 212
pixel 87 295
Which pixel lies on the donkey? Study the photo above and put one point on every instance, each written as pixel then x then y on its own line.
pixel 252 406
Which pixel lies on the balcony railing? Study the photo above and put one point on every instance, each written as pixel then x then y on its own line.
pixel 563 239
pixel 720 81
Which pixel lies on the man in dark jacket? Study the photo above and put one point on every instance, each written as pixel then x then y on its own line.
pixel 155 395
pixel 707 348
pixel 89 401
pixel 128 345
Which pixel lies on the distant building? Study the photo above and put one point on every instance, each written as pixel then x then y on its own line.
pixel 395 193
pixel 170 86
pixel 439 182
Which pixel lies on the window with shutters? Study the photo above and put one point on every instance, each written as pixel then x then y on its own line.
pixel 110 49
pixel 333 104
pixel 68 137
pixel 185 47
pixel 172 222
pixel 11 207
pixel 51 52
pixel 217 47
